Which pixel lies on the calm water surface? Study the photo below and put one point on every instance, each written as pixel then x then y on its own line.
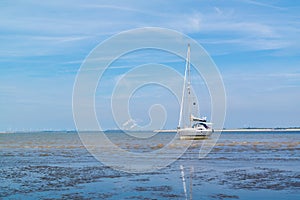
pixel 241 166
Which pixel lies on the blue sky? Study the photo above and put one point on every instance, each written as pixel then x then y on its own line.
pixel 254 43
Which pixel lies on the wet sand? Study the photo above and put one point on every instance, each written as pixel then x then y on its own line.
pixel 240 166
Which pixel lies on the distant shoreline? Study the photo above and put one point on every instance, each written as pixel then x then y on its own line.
pixel 246 130
pixel 167 130
pixel 262 130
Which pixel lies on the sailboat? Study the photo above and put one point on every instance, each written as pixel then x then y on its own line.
pixel 190 126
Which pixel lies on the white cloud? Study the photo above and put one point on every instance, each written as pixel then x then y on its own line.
pixel 97 20
pixel 262 4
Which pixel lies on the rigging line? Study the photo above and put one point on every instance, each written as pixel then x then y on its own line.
pixel 184 84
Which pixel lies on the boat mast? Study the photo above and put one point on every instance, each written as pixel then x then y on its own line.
pixel 189 86
pixel 187 71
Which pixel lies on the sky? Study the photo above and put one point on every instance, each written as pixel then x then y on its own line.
pixel 254 43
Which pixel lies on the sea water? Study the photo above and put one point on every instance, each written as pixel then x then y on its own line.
pixel 56 165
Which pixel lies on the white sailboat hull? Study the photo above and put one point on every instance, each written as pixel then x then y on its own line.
pixel 193 133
